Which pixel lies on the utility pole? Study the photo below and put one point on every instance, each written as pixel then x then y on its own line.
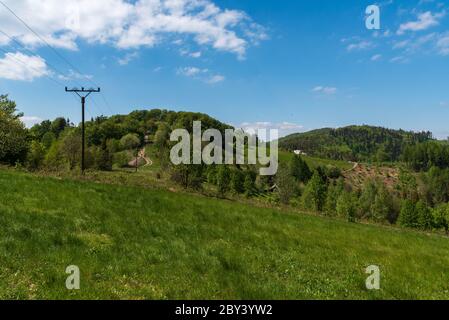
pixel 83 94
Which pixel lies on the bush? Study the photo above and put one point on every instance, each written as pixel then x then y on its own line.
pixel 130 141
pixel 70 148
pixel 250 183
pixel 223 179
pixel 314 194
pixel 53 159
pixel 347 206
pixel 333 193
pixel 425 219
pixel 287 184
pixel 441 217
pixel 36 156
pixel 13 135
pixel 299 169
pixel 237 181
pixel 188 176
pixel 121 159
pixel 408 216
pixel 333 172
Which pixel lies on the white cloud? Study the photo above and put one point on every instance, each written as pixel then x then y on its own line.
pixel 285 128
pixel 18 66
pixel 73 75
pixel 196 54
pixel 127 25
pixel 376 57
pixel 428 43
pixel 361 45
pixel 185 52
pixel 425 21
pixel 204 75
pixel 443 44
pixel 399 59
pixel 31 121
pixel 215 79
pixel 325 90
pixel 127 58
pixel 191 71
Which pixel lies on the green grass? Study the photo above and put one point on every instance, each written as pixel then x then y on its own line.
pixel 135 243
pixel 285 156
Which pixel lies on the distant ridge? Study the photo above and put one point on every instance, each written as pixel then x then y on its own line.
pixel 354 143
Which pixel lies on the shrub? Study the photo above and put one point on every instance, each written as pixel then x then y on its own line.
pixel 130 141
pixel 121 159
pixel 314 194
pixel 408 216
pixel 36 156
pixel 223 179
pixel 13 135
pixel 441 217
pixel 237 181
pixel 347 206
pixel 425 219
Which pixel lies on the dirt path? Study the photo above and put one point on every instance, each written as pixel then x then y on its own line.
pixel 141 155
pixel 356 165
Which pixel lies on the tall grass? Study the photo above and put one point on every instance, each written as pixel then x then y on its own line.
pixel 133 243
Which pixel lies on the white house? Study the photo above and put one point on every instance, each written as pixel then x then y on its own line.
pixel 300 153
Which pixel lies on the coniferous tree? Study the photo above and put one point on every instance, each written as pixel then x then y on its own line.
pixel 299 169
pixel 223 179
pixel 286 183
pixel 237 181
pixel 425 219
pixel 314 194
pixel 441 217
pixel 408 216
pixel 347 206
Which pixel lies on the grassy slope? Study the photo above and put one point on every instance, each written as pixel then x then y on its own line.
pixel 137 243
pixel 313 162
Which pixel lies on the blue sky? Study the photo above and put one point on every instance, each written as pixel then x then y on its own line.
pixel 295 65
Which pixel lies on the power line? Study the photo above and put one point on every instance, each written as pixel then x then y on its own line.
pixel 19 61
pixel 28 66
pixel 55 51
pixel 57 71
pixel 83 94
pixel 30 52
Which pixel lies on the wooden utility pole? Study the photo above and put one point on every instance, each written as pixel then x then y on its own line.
pixel 83 94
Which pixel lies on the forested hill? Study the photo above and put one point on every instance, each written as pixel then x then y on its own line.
pixel 355 143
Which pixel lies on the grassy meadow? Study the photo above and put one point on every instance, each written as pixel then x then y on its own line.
pixel 135 243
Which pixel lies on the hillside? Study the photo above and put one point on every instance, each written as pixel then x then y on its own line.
pixel 139 243
pixel 354 143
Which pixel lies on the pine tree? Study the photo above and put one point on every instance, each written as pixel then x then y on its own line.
pixel 286 183
pixel 346 206
pixel 299 169
pixel 441 217
pixel 333 193
pixel 424 214
pixel 250 183
pixel 237 181
pixel 382 207
pixel 408 216
pixel 223 179
pixel 314 194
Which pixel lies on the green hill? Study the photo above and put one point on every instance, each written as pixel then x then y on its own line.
pixel 354 143
pixel 153 244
